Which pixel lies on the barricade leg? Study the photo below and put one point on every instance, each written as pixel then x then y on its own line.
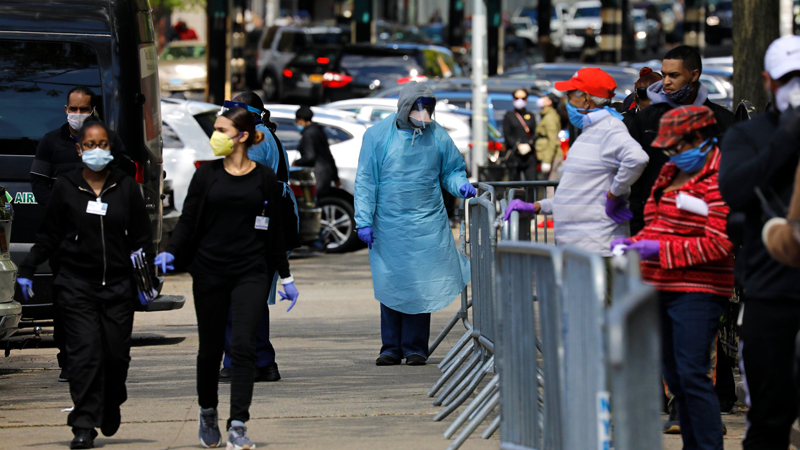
pixel 449 358
pixel 444 333
pixel 492 428
pixel 482 414
pixel 451 370
pixel 473 407
pixel 459 377
pixel 466 389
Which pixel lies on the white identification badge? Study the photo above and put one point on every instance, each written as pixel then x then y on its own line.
pixel 262 223
pixel 97 208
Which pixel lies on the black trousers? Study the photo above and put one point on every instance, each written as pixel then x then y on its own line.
pixel 767 348
pixel 59 336
pixel 97 322
pixel 245 297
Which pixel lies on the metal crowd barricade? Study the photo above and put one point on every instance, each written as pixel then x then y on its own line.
pixel 518 228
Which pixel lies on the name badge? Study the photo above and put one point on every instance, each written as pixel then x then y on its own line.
pixel 97 208
pixel 262 223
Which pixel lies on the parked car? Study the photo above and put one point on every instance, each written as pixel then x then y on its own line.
pixel 531 25
pixel 330 73
pixel 278 45
pixel 553 72
pixel 583 15
pixel 111 49
pixel 187 127
pixel 647 34
pixel 10 311
pixel 719 21
pixel 182 66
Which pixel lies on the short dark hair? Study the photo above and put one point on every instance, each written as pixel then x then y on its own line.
pixel 82 90
pixel 304 112
pixel 89 123
pixel 689 55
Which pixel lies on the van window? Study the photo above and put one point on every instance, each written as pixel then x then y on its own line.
pixel 292 42
pixel 336 135
pixel 148 72
pixel 171 138
pixel 270 36
pixel 34 80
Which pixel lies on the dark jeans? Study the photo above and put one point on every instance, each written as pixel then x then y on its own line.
pixel 689 324
pixel 245 298
pixel 97 322
pixel 265 352
pixel 767 346
pixel 58 329
pixel 403 334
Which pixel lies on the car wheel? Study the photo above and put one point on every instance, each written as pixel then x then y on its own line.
pixel 338 225
pixel 270 87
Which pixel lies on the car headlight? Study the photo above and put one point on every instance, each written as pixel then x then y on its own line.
pixel 641 35
pixel 191 71
pixel 712 21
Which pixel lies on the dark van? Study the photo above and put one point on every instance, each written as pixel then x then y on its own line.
pixel 46 48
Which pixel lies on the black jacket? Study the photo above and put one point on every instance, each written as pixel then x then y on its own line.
pixel 754 155
pixel 514 134
pixel 189 231
pixel 93 248
pixel 644 129
pixel 315 152
pixel 57 155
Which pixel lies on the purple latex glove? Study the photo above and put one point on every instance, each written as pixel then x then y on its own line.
pixel 618 210
pixel 522 207
pixel 647 249
pixel 468 191
pixel 291 294
pixel 620 241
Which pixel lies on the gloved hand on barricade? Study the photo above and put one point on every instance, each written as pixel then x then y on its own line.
pixel 26 286
pixel 647 249
pixel 522 207
pixel 291 294
pixel 365 234
pixel 166 261
pixel 617 209
pixel 468 191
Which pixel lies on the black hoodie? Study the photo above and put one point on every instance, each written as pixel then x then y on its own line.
pixel 93 248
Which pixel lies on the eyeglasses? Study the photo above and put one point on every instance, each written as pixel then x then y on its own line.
pixel 91 145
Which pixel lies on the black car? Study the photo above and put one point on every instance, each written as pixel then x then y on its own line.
pixel 331 73
pixel 719 21
pixel 44 51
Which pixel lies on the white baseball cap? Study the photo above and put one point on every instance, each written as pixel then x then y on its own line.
pixel 783 56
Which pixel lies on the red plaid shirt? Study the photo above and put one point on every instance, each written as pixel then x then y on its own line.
pixel 695 252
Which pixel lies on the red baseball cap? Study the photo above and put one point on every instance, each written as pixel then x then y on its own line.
pixel 592 80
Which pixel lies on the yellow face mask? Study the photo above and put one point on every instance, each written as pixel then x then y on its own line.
pixel 222 144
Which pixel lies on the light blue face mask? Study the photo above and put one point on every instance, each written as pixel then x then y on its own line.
pixel 694 159
pixel 96 159
pixel 300 128
pixel 575 115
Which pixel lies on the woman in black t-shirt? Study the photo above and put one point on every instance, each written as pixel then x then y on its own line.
pixel 230 237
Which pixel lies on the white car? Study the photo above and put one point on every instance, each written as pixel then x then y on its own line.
pixel 525 22
pixel 583 15
pixel 376 109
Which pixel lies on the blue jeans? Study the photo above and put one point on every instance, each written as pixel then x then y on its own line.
pixel 689 324
pixel 403 334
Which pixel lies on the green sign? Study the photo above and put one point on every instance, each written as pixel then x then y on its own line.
pixel 24 198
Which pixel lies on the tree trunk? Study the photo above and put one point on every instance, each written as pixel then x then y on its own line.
pixel 756 25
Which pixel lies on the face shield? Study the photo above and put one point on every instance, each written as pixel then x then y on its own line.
pixel 228 104
pixel 422 111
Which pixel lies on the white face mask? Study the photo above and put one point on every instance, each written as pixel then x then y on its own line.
pixel 520 103
pixel 76 120
pixel 788 95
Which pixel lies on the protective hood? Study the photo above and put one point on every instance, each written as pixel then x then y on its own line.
pixel 656 93
pixel 410 93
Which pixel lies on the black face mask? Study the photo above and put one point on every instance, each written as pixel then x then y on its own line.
pixel 641 93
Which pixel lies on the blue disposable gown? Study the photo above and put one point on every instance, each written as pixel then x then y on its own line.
pixel 416 267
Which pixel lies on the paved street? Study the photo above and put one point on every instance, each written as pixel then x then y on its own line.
pixel 332 395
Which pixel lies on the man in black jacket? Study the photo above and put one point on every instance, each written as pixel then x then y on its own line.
pixel 761 153
pixel 315 152
pixel 518 129
pixel 680 85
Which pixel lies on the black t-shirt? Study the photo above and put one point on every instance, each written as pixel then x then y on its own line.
pixel 231 244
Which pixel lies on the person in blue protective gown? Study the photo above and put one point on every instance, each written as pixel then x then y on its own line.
pixel 400 214
pixel 271 154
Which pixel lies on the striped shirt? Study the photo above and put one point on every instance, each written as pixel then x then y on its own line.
pixel 603 158
pixel 695 254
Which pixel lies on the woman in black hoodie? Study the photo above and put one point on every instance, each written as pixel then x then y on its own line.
pixel 96 218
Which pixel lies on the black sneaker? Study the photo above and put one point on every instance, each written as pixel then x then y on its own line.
pixel 225 375
pixel 728 407
pixel 268 373
pixel 416 360
pixel 111 421
pixel 672 425
pixel 84 438
pixel 63 377
pixel 386 360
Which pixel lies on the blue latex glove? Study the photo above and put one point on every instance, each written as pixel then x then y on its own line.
pixel 291 294
pixel 522 207
pixel 365 234
pixel 26 286
pixel 618 210
pixel 468 191
pixel 620 241
pixel 166 261
pixel 647 249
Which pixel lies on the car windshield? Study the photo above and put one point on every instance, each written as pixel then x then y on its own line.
pixel 329 38
pixel 183 52
pixel 387 68
pixel 533 14
pixel 581 13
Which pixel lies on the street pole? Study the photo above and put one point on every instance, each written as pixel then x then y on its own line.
pixel 455 25
pixel 494 30
pixel 787 18
pixel 757 25
pixel 479 119
pixel 363 21
pixel 272 13
pixel 218 60
pixel 694 21
pixel 611 32
pixel 545 9
pixel 628 33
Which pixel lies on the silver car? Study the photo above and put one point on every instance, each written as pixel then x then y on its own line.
pixel 182 66
pixel 10 311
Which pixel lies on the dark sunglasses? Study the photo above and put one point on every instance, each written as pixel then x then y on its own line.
pixel 641 93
